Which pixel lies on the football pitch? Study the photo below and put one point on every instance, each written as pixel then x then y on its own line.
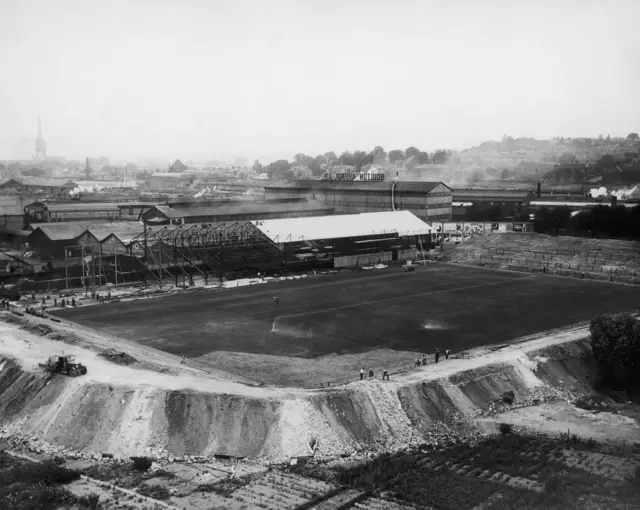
pixel 444 306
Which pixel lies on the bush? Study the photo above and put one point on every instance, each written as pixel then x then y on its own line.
pixel 155 491
pixel 615 341
pixel 90 501
pixel 508 397
pixel 505 428
pixel 141 463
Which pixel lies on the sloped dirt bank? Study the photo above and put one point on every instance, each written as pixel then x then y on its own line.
pixel 127 411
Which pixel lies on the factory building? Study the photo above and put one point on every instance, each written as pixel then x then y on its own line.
pixel 429 201
pixel 180 214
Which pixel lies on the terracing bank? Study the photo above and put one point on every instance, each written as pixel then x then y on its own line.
pixel 124 410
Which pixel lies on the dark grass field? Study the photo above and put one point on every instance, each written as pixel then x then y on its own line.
pixel 441 306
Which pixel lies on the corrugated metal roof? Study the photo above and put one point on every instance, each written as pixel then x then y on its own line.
pixel 227 208
pixel 63 232
pixel 86 206
pixel 351 225
pixel 401 186
pixel 102 233
pixel 51 183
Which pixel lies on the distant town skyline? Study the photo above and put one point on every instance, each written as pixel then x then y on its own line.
pixel 202 80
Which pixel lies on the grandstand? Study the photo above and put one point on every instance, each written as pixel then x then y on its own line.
pixel 348 240
pixel 602 259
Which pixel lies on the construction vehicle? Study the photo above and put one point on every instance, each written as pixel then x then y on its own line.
pixel 64 365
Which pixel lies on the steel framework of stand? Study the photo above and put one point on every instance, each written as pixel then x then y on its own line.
pixel 204 248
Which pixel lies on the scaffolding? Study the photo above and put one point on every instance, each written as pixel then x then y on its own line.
pixel 182 251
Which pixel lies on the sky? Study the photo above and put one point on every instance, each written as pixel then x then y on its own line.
pixel 207 79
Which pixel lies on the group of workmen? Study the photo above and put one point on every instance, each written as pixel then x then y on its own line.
pixel 436 353
pixel 418 362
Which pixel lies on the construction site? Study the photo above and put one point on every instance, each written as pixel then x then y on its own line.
pixel 246 392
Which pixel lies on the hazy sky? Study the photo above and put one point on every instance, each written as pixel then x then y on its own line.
pixel 198 79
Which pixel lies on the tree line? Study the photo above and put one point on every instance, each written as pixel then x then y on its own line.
pixel 601 221
pixel 359 160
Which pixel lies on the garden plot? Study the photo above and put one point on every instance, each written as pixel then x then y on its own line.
pixel 609 466
pixel 535 469
pixel 277 490
pixel 340 500
pixel 380 504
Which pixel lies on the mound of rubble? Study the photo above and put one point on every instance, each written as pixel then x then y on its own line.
pixel 118 357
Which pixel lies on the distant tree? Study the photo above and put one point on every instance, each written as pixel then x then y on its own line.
pixel 551 220
pixel 280 168
pixel 606 162
pixel 615 341
pixel 346 158
pixel 330 157
pixel 302 159
pixel 422 158
pixel 317 164
pixel 439 157
pixel 633 137
pixel 257 167
pixel 379 155
pixel 396 155
pixel 411 152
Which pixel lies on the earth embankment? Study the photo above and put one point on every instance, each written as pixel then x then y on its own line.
pixel 127 412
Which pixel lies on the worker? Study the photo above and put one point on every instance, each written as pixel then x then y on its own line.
pixel 73 301
pixel 424 359
pixel 417 362
pixel 109 295
pixel 43 301
pixel 370 374
pixel 362 374
pixel 276 300
pixel 437 355
pixel 446 353
pixel 55 302
pixel 385 373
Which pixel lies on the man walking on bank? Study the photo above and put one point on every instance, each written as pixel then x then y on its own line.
pixel 437 355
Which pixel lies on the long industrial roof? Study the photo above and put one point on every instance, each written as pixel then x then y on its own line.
pixel 400 186
pixel 285 230
pixel 227 208
pixel 83 206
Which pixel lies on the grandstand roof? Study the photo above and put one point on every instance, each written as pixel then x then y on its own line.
pixel 403 223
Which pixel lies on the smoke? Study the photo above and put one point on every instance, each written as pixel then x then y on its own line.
pixel 202 192
pixel 85 189
pixel 620 194
pixel 598 192
pixel 627 193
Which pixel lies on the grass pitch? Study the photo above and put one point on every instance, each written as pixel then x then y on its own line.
pixel 444 306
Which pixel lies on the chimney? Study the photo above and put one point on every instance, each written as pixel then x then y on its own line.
pixel 539 190
pixel 614 201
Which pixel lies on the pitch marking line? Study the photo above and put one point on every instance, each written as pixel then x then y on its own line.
pixel 363 303
pixel 385 300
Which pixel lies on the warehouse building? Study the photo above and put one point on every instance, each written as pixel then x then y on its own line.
pixel 38 185
pixel 181 214
pixel 53 242
pixel 429 201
